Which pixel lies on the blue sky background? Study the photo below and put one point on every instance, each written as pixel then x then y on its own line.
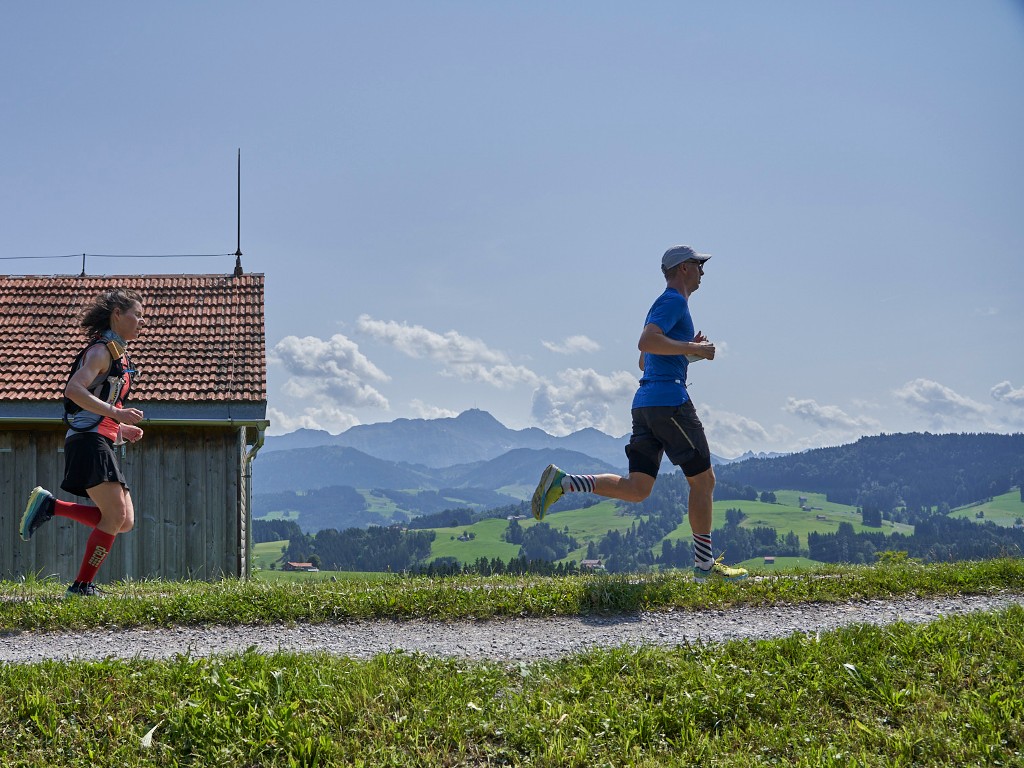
pixel 463 204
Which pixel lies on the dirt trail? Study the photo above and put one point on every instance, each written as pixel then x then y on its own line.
pixel 501 640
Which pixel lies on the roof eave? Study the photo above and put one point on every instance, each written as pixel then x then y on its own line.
pixel 180 414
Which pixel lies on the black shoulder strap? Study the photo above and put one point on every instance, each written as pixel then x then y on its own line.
pixel 70 406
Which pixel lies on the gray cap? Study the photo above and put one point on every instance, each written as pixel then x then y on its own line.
pixel 677 254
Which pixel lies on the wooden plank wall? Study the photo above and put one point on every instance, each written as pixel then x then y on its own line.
pixel 188 492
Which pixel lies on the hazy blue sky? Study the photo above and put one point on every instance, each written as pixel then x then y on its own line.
pixel 464 204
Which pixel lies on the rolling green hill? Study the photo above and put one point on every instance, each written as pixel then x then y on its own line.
pixel 821 516
pixel 795 511
pixel 592 523
pixel 1003 510
pixel 585 525
pixel 267 552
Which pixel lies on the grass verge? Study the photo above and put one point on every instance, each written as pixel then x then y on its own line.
pixel 941 694
pixel 38 604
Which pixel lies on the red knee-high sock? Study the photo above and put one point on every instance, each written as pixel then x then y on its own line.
pixel 80 513
pixel 96 551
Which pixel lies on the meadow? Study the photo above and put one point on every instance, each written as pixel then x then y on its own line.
pixel 486 537
pixel 592 523
pixel 786 515
pixel 944 693
pixel 270 552
pixel 1005 509
pixel 585 525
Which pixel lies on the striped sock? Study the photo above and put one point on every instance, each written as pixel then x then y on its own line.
pixel 578 483
pixel 702 557
pixel 96 550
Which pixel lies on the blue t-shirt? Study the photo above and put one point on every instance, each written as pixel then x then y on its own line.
pixel 664 378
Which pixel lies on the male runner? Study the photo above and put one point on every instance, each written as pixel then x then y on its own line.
pixel 664 419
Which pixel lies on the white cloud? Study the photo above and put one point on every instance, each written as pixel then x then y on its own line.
pixel 417 341
pixel 573 345
pixel 332 370
pixel 1005 393
pixel 425 411
pixel 463 357
pixel 829 417
pixel 940 404
pixel 333 420
pixel 730 434
pixel 327 377
pixel 585 398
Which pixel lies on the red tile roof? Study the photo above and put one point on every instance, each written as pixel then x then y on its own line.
pixel 203 339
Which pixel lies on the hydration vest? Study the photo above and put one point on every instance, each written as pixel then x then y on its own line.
pixel 109 387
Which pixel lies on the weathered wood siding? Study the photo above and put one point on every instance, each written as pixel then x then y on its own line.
pixel 189 495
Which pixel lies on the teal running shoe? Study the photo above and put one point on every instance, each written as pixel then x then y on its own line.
pixel 38 511
pixel 549 490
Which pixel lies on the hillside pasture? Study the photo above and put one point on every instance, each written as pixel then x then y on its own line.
pixel 380 504
pixel 267 552
pixel 1002 510
pixel 585 525
pixel 488 541
pixel 517 491
pixel 786 515
pixel 281 514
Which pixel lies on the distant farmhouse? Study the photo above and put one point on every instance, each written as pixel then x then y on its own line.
pixel 201 358
pixel 308 567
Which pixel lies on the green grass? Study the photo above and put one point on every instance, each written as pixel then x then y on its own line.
pixel 585 525
pixel 1002 510
pixel 38 604
pixel 786 516
pixel 281 514
pixel 267 552
pixel 757 565
pixel 945 693
pixel 380 505
pixel 303 577
pixel 488 542
pixel 592 523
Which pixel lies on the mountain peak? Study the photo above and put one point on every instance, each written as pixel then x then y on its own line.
pixel 475 416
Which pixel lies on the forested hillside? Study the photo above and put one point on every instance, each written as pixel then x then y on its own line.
pixel 910 470
pixel 892 493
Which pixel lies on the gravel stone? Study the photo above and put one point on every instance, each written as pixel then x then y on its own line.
pixel 507 640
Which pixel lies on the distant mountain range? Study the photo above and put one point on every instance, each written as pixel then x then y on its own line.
pixel 472 436
pixel 515 472
pixel 408 467
pixel 417 464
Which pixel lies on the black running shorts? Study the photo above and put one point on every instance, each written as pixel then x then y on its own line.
pixel 672 430
pixel 89 460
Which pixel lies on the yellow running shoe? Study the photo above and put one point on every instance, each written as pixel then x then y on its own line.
pixel 549 490
pixel 718 572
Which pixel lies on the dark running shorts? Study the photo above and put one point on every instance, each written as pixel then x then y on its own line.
pixel 672 430
pixel 89 460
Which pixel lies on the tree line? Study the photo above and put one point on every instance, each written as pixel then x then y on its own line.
pixel 358 549
pixel 914 479
pixel 920 470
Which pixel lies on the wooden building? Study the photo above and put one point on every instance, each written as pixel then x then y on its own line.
pixel 201 361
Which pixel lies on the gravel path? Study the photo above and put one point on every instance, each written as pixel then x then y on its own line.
pixel 501 640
